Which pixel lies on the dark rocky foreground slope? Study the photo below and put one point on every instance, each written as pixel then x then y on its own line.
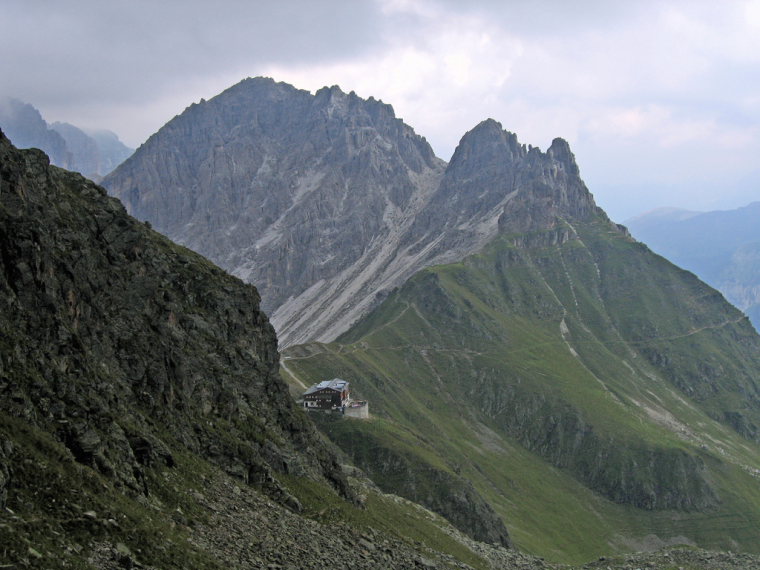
pixel 115 339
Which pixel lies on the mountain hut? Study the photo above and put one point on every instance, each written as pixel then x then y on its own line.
pixel 327 395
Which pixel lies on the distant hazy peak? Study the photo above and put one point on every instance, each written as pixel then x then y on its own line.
pixel 664 213
pixel 23 124
pixel 91 154
pixel 10 105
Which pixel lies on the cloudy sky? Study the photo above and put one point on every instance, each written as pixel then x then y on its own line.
pixel 660 100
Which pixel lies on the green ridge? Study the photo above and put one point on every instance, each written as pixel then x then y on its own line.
pixel 599 398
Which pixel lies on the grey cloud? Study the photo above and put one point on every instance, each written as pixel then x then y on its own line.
pixel 86 50
pixel 549 17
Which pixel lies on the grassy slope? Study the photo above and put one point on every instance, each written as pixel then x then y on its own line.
pixel 473 364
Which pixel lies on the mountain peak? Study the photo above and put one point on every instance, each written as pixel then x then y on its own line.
pixel 332 91
pixel 485 146
pixel 488 125
pixel 259 89
pixel 560 151
pixel 66 145
pixel 491 168
pixel 488 129
pixel 265 170
pixel 559 145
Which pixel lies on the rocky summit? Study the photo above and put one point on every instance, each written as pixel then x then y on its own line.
pixel 304 195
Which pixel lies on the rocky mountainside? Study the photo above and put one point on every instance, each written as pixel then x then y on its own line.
pixel 721 247
pixel 93 154
pixel 304 195
pixel 327 202
pixel 562 379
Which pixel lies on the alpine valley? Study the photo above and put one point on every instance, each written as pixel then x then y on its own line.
pixel 721 247
pixel 540 383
